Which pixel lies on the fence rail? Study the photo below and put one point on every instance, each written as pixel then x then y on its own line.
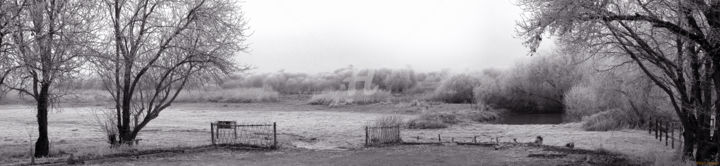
pixel 382 135
pixel 252 135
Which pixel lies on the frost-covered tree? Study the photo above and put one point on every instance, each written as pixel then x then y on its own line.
pixel 676 43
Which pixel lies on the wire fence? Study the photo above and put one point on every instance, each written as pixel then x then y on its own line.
pixel 667 130
pixel 382 135
pixel 464 139
pixel 375 136
pixel 251 134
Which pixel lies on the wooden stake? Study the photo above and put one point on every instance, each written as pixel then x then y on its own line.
pixel 649 126
pixel 212 133
pixel 667 127
pixel 657 129
pixel 275 135
pixel 672 135
pixel 366 136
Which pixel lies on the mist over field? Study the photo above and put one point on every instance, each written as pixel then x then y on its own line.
pixel 327 82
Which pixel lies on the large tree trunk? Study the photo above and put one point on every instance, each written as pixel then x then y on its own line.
pixel 42 146
pixel 688 134
pixel 126 135
pixel 704 143
pixel 689 143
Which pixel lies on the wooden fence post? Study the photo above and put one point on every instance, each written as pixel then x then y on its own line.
pixel 366 136
pixel 399 137
pixel 672 135
pixel 218 135
pixel 275 135
pixel 235 131
pixel 212 133
pixel 649 125
pixel 657 129
pixel 654 124
pixel 660 123
pixel 667 127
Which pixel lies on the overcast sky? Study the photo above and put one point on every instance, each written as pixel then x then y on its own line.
pixel 322 35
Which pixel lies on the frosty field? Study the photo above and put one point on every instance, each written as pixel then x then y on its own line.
pixel 318 129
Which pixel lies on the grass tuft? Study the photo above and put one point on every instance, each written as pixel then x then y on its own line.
pixel 614 119
pixel 388 121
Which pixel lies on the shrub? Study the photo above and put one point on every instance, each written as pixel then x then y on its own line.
pixel 400 81
pixel 333 98
pixel 456 89
pixel 580 102
pixel 277 82
pixel 433 121
pixel 237 95
pixel 105 121
pixel 535 86
pixel 254 81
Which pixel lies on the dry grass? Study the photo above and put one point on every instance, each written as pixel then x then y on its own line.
pixel 614 119
pixel 237 95
pixel 446 118
pixel 183 125
pixel 433 121
pixel 483 116
pixel 87 96
pixel 72 96
pixel 187 125
pixel 335 98
pixel 667 159
pixel 387 121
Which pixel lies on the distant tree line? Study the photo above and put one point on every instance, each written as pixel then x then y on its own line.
pixel 399 81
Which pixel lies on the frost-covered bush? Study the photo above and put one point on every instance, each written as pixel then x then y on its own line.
pixel 456 89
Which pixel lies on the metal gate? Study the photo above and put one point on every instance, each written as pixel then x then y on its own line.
pixel 252 135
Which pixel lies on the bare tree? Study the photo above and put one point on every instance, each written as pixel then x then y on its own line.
pixel 47 37
pixel 675 43
pixel 159 47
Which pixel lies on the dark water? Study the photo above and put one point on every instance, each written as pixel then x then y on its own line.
pixel 511 117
